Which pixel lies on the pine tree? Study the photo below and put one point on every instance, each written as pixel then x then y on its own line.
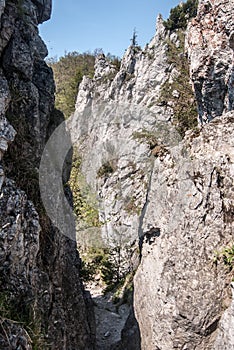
pixel 134 38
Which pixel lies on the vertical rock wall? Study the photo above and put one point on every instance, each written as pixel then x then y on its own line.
pixel 181 294
pixel 182 191
pixel 210 47
pixel 39 269
pixel 124 115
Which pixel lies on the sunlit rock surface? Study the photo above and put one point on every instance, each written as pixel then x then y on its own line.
pixel 210 48
pixel 180 293
pixel 175 196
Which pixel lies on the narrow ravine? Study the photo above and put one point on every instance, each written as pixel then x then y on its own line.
pixel 110 317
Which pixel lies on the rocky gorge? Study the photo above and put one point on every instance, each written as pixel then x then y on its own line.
pixel 155 143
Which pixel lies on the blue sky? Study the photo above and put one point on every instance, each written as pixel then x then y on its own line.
pixel 82 26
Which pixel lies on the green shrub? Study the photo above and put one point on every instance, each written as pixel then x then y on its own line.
pixel 68 74
pixel 93 259
pixel 108 263
pixel 225 255
pixel 84 200
pixel 117 265
pixel 111 269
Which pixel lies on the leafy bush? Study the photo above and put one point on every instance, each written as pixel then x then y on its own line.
pixel 92 261
pixel 101 261
pixel 111 269
pixel 181 14
pixel 109 263
pixel 68 74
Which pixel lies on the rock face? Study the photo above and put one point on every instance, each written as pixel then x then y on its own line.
pixel 191 203
pixel 118 127
pixel 138 81
pixel 176 196
pixel 123 132
pixel 224 339
pixel 210 47
pixel 42 301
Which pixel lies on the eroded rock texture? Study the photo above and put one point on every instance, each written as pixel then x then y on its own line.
pixel 176 196
pixel 180 294
pixel 39 269
pixel 210 47
pixel 125 126
pixel 118 127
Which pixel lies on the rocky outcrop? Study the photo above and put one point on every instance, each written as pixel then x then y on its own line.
pixel 122 133
pixel 42 301
pixel 118 127
pixel 191 204
pixel 180 294
pixel 210 48
pixel 138 80
pixel 174 195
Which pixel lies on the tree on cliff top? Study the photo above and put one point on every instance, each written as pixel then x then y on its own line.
pixel 68 73
pixel 181 14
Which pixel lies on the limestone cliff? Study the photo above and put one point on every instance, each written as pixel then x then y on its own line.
pixel 174 196
pixel 127 125
pixel 191 203
pixel 210 47
pixel 42 301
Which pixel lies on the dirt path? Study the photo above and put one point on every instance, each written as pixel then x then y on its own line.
pixel 110 320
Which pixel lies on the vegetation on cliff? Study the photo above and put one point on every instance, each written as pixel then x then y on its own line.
pixel 226 256
pixel 84 200
pixel 68 73
pixel 181 14
pixel 178 93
